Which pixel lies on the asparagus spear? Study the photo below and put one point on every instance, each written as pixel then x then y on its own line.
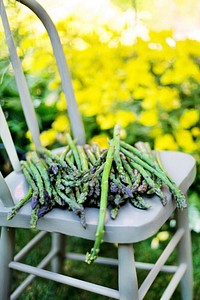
pixel 117 158
pixel 145 148
pixel 178 195
pixel 38 179
pixel 96 150
pixel 139 202
pixel 90 257
pixel 55 158
pixel 74 150
pixel 64 153
pixel 150 182
pixel 128 168
pixel 84 167
pixel 34 216
pixel 19 204
pixel 30 180
pixel 89 154
pixel 43 172
pixel 73 205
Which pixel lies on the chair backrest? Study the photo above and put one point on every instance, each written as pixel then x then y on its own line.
pixel 74 116
pixel 25 97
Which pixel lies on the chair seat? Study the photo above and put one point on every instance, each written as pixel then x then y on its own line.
pixel 131 225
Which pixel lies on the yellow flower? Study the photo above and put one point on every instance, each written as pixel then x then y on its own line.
pixel 163 235
pixel 123 94
pixel 149 118
pixel 139 93
pixel 160 67
pixel 165 97
pixel 150 102
pixel 48 137
pixel 89 100
pixel 61 102
pixel 165 142
pixel 54 84
pixel 195 131
pixel 168 98
pixel 185 140
pixel 125 117
pixel 189 118
pixel 101 140
pixel 28 135
pixel 106 121
pixel 156 131
pixel 183 69
pixel 42 62
pixel 61 124
pixel 138 74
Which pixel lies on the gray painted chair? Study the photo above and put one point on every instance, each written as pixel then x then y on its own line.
pixel 131 226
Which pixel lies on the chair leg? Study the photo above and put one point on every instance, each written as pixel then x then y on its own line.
pixel 185 254
pixel 7 244
pixel 128 285
pixel 58 245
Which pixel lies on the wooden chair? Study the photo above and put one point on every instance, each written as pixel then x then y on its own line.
pixel 131 226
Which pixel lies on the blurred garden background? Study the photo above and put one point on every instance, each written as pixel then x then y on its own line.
pixel 132 62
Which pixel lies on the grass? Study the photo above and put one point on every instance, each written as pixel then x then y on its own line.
pixel 105 275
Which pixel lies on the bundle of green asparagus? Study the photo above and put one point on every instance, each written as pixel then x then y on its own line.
pixel 88 176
